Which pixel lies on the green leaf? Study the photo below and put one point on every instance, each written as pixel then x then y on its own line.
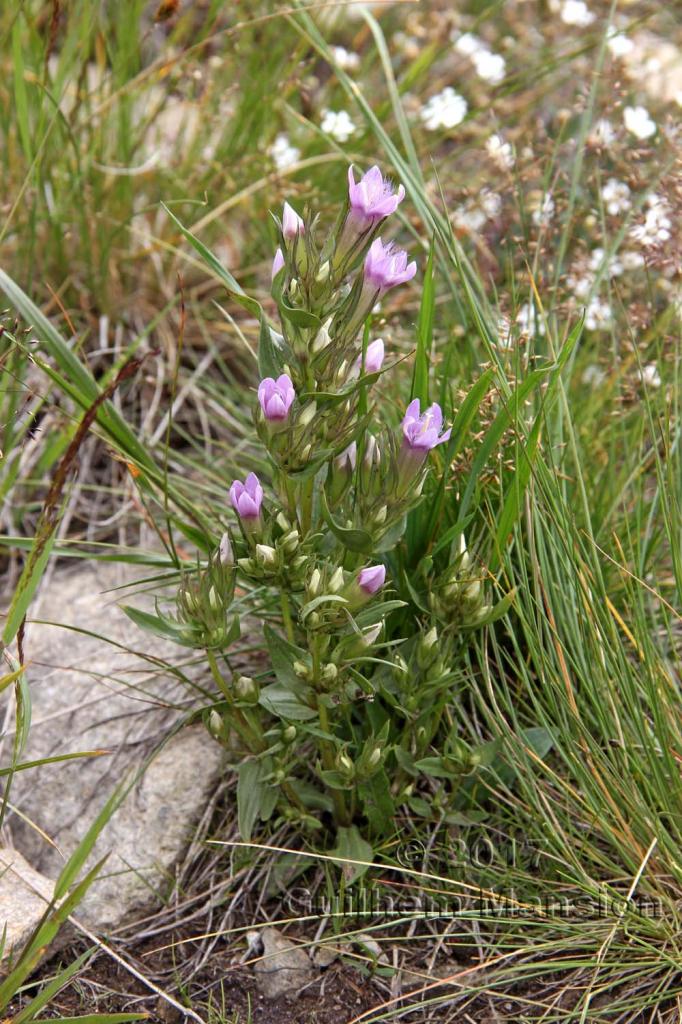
pixel 270 351
pixel 377 802
pixel 255 798
pixel 153 623
pixel 280 701
pixel 214 264
pixel 351 538
pixel 282 657
pixel 350 846
pixel 300 317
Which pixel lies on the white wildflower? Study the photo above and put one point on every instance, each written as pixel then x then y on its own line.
pixel 657 226
pixel 338 124
pixel 500 151
pixel 348 60
pixel 650 376
pixel 639 122
pixel 468 44
pixel 543 215
pixel 283 153
pixel 619 44
pixel 598 315
pixel 529 320
pixel 616 196
pixel 491 67
pixel 614 267
pixel 603 133
pixel 593 375
pixel 444 110
pixel 576 12
pixel 632 260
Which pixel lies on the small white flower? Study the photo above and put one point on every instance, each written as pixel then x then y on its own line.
pixel 468 44
pixel 338 124
pixel 598 315
pixel 529 320
pixel 657 226
pixel 505 339
pixel 283 153
pixel 616 196
pixel 614 267
pixel 619 44
pixel 593 375
pixel 491 67
pixel 543 215
pixel 638 122
pixel 444 110
pixel 500 151
pixel 474 214
pixel 650 376
pixel 580 286
pixel 346 59
pixel 576 12
pixel 602 134
pixel 632 260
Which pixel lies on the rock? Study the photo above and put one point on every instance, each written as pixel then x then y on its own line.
pixel 92 695
pixel 284 968
pixel 24 896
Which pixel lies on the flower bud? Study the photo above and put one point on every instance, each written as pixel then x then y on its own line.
pixel 290 542
pixel 374 758
pixel 400 669
pixel 283 522
pixel 246 689
pixel 379 517
pixel 329 673
pixel 266 556
pixel 307 415
pixel 344 765
pixel 225 552
pixel 323 273
pixel 336 582
pixel 321 341
pixel 292 224
pixel 289 734
pixel 314 583
pixel 301 670
pixel 215 724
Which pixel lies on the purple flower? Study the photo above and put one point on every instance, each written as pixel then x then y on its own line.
pixel 372 198
pixel 292 224
pixel 247 497
pixel 275 397
pixel 386 266
pixel 422 431
pixel 372 579
pixel 277 264
pixel 374 357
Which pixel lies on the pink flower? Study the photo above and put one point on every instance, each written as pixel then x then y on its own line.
pixel 422 432
pixel 247 497
pixel 277 264
pixel 276 396
pixel 372 579
pixel 372 198
pixel 374 357
pixel 386 266
pixel 292 224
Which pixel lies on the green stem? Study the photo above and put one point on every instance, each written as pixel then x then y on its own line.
pixel 326 746
pixel 286 616
pixel 248 735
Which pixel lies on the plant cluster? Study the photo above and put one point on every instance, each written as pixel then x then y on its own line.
pixel 361 704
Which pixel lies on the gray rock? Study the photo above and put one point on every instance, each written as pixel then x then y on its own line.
pixel 284 967
pixel 24 896
pixel 118 697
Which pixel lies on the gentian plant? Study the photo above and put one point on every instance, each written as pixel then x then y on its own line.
pixel 356 716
